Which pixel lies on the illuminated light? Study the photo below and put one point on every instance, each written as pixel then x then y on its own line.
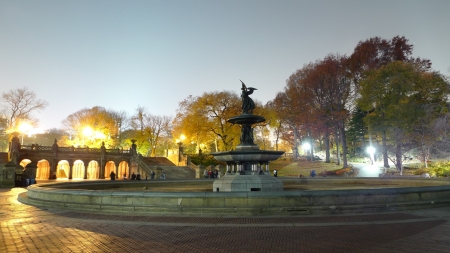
pixel 370 150
pixel 306 146
pixel 182 137
pixel 87 131
pixel 99 135
pixel 24 128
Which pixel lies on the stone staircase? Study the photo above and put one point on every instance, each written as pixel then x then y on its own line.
pixel 158 164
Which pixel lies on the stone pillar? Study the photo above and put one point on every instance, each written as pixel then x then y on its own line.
pixel 86 165
pixel 54 161
pixel 53 167
pixel 102 161
pixel 70 169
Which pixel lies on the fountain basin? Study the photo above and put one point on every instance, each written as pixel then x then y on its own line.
pixel 365 195
pixel 246 119
pixel 247 155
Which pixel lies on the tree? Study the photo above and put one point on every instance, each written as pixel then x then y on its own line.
pixel 376 52
pixel 396 97
pixel 204 118
pixel 90 127
pixel 275 121
pixel 151 130
pixel 18 105
pixel 357 131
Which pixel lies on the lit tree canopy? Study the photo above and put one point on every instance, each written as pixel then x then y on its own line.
pixel 92 126
pixel 204 118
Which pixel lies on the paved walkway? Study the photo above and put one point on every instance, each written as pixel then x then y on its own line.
pixel 30 229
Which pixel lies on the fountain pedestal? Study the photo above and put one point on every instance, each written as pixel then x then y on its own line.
pixel 247 170
pixel 245 183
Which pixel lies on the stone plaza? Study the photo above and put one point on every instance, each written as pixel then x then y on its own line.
pixel 25 228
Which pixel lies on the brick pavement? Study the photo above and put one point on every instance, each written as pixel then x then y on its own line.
pixel 30 229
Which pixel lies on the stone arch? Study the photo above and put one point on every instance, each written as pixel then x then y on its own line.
pixel 123 170
pixel 109 167
pixel 25 162
pixel 93 170
pixel 78 169
pixel 63 169
pixel 43 169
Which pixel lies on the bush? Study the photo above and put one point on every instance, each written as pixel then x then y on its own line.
pixel 204 159
pixel 342 171
pixel 440 169
pixel 421 171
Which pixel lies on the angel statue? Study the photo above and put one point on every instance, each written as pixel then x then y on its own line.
pixel 247 103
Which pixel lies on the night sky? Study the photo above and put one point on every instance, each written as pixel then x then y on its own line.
pixel 125 54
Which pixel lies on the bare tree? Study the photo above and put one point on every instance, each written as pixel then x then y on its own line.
pixel 151 129
pixel 19 104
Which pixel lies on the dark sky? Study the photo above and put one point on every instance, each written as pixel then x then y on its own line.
pixel 125 54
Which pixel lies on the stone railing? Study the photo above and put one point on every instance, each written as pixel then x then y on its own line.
pixel 73 149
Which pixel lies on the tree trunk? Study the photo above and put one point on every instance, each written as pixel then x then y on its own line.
pixel 338 151
pixel 326 141
pixel 385 155
pixel 398 158
pixel 312 146
pixel 344 145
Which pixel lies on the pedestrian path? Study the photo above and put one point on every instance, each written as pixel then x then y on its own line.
pixel 31 229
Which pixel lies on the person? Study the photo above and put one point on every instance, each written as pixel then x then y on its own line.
pixel 205 173
pixel 124 176
pixel 152 175
pixel 133 176
pixel 163 175
pixel 216 173
pixel 209 174
pixel 312 173
pixel 275 173
pixel 138 176
pixel 112 175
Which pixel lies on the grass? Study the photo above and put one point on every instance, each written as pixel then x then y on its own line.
pixel 288 168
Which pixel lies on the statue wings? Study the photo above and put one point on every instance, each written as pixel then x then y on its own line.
pixel 244 87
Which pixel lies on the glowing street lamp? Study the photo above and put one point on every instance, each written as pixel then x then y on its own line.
pixel 306 147
pixel 371 151
pixel 24 128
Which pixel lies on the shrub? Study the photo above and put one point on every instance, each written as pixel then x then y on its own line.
pixel 342 171
pixel 204 159
pixel 440 169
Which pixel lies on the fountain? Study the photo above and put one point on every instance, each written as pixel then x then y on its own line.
pixel 246 189
pixel 248 165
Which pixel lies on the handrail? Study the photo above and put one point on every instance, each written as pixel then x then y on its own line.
pixel 73 149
